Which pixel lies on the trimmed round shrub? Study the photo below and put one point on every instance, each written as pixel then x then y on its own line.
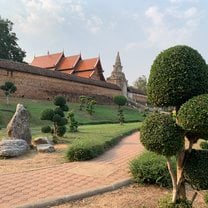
pixel 64 108
pixel 59 101
pixel 150 168
pixel 63 121
pixel 193 116
pixel 196 169
pixel 57 118
pixel 47 114
pixel 59 111
pixel 46 129
pixel 120 100
pixel 177 74
pixel 160 134
pixel 204 145
pixel 61 130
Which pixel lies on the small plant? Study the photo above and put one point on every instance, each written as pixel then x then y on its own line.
pixel 9 88
pixel 150 168
pixel 204 145
pixel 73 124
pixel 57 117
pixel 88 103
pixel 120 100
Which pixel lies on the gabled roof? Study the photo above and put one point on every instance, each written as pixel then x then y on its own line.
pixel 85 74
pixel 47 61
pixel 69 62
pixel 87 64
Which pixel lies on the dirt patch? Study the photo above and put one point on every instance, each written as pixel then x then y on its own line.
pixel 132 196
pixel 33 160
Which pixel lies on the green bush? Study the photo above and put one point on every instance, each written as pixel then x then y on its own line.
pixel 150 168
pixel 204 145
pixel 166 203
pixel 177 74
pixel 160 134
pixel 196 169
pixel 59 101
pixel 193 115
pixel 46 129
pixel 59 112
pixel 61 130
pixel 120 100
pixel 206 198
pixel 47 114
pixel 89 149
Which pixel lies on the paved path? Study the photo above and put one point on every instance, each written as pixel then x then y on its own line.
pixel 31 187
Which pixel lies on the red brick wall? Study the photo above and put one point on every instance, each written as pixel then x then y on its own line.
pixel 41 87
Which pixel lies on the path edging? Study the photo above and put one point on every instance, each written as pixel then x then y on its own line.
pixel 77 196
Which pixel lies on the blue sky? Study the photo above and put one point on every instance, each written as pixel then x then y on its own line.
pixel 138 29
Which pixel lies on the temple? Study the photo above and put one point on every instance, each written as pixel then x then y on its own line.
pixel 87 68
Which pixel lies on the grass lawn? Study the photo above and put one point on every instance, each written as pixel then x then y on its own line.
pixel 103 113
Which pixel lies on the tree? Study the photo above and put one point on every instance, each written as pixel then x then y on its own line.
pixel 56 116
pixel 9 48
pixel 177 75
pixel 88 103
pixel 141 84
pixel 8 88
pixel 120 100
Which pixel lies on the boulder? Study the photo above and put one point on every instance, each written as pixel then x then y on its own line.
pixel 13 147
pixel 18 126
pixel 46 148
pixel 41 140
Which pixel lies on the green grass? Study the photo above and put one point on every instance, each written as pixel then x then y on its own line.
pixel 103 113
pixel 93 140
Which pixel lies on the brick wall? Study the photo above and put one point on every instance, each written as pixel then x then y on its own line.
pixel 41 87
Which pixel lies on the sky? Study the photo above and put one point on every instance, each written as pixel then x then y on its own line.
pixel 138 29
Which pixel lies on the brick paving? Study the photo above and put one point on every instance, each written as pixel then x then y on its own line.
pixel 30 187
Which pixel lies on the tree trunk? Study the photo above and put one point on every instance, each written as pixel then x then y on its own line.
pixel 7 100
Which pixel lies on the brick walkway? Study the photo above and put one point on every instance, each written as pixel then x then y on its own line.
pixel 31 187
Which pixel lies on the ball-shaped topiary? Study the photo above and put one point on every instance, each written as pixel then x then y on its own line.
pixel 47 114
pixel 59 101
pixel 193 116
pixel 46 129
pixel 196 169
pixel 160 134
pixel 120 100
pixel 177 74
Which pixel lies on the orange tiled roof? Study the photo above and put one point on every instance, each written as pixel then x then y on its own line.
pixel 47 61
pixel 85 74
pixel 68 71
pixel 69 62
pixel 87 64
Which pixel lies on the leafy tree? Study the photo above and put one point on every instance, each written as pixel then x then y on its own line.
pixel 9 48
pixel 120 100
pixel 56 116
pixel 177 75
pixel 9 88
pixel 141 84
pixel 88 103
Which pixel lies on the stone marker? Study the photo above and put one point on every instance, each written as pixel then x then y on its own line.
pixel 13 147
pixel 46 148
pixel 18 126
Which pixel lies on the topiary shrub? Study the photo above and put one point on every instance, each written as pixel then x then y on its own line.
pixel 204 145
pixel 73 124
pixel 193 115
pixel 177 74
pixel 56 116
pixel 120 100
pixel 160 134
pixel 150 168
pixel 196 169
pixel 165 202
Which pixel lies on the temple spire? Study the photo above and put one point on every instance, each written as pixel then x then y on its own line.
pixel 118 59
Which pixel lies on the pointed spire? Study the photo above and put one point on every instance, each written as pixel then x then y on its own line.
pixel 118 59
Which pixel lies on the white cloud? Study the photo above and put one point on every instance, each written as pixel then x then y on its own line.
pixel 171 25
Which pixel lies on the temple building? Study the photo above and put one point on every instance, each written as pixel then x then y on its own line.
pixel 87 68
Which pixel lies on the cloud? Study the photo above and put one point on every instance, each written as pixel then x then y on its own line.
pixel 171 25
